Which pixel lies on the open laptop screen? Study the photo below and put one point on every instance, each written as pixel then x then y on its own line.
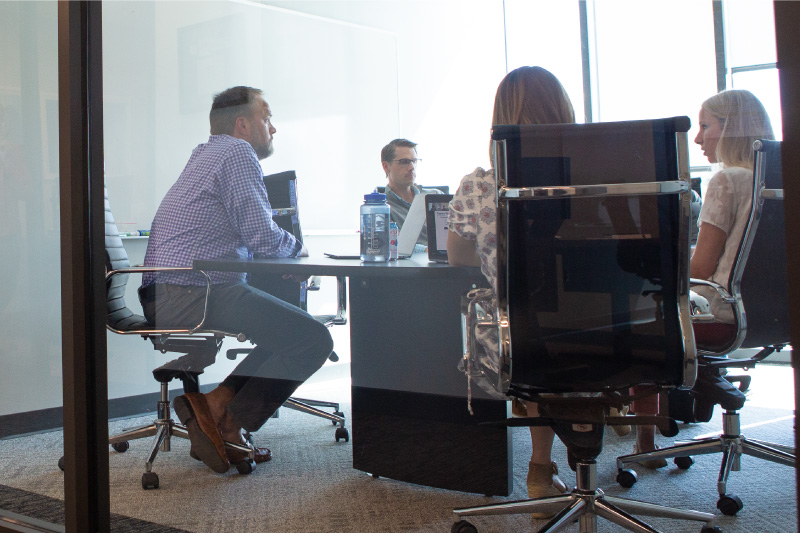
pixel 437 210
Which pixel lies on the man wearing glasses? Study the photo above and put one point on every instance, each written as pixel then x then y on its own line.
pixel 399 160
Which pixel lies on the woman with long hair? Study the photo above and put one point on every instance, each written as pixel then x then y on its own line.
pixel 527 95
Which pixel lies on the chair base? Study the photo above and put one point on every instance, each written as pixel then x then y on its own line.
pixel 584 504
pixel 162 429
pixel 731 443
pixel 308 406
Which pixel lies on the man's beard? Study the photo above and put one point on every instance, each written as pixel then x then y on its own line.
pixel 263 152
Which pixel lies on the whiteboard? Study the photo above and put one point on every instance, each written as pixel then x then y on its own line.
pixel 331 86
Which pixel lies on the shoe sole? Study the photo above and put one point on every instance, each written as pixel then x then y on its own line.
pixel 205 447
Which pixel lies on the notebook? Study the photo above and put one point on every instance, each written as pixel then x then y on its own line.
pixel 437 211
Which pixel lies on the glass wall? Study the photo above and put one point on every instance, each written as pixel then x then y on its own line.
pixel 343 78
pixel 751 56
pixel 30 297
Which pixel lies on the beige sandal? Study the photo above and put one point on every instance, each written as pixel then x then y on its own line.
pixel 543 481
pixel 652 464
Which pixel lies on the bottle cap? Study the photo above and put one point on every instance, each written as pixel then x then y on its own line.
pixel 375 197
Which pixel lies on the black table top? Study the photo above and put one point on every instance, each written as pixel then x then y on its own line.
pixel 416 266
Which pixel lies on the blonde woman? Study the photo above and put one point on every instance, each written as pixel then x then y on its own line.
pixel 527 95
pixel 728 124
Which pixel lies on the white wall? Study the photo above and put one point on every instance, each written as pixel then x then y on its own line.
pixel 450 58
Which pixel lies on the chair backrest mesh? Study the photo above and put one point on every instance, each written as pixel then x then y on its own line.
pixel 118 315
pixel 764 281
pixel 595 287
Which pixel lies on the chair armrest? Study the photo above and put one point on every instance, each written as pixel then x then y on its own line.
pixel 313 283
pixel 154 330
pixel 722 291
pixel 340 318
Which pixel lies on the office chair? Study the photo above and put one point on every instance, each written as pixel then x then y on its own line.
pixel 759 298
pixel 199 348
pixel 282 193
pixel 574 335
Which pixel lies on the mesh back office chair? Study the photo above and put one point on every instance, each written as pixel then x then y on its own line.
pixel 758 286
pixel 199 347
pixel 618 193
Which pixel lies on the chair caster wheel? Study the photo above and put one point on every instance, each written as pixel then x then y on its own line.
pixel 627 478
pixel 462 526
pixel 729 504
pixel 149 480
pixel 342 433
pixel 711 529
pixel 245 467
pixel 683 462
pixel 121 447
pixel 61 463
pixel 337 413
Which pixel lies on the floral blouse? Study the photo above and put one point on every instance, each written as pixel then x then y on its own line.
pixel 473 216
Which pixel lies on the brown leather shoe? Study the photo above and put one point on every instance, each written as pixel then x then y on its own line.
pixel 207 443
pixel 262 455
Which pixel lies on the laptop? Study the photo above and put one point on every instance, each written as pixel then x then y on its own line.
pixel 409 233
pixel 412 227
pixel 437 211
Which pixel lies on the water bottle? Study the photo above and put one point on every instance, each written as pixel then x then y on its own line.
pixel 375 228
pixel 394 232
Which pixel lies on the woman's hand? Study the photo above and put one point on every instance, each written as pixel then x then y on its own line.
pixel 461 251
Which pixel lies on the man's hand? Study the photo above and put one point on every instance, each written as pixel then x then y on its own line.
pixel 296 277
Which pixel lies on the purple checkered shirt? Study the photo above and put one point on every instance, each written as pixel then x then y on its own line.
pixel 217 209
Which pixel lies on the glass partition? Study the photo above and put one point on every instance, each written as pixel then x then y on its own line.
pixel 30 295
pixel 343 78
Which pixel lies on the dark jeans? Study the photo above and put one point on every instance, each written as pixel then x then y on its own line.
pixel 290 344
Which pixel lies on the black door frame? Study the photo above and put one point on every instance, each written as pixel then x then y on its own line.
pixel 80 86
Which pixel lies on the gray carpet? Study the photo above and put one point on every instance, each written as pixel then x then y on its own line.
pixel 310 485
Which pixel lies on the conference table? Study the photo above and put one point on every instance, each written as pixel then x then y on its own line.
pixel 409 419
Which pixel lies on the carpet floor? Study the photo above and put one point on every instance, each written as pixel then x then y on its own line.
pixel 310 485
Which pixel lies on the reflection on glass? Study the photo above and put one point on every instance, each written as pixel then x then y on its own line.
pixel 749 32
pixel 30 304
pixel 766 86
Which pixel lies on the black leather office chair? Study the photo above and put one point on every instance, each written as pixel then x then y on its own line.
pixel 759 298
pixel 198 346
pixel 575 334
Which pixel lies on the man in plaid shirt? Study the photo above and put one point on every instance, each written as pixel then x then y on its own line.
pixel 218 208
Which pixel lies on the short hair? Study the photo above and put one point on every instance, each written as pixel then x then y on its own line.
pixel 743 120
pixel 229 105
pixel 388 151
pixel 532 95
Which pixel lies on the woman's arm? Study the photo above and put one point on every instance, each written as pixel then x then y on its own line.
pixel 709 248
pixel 461 251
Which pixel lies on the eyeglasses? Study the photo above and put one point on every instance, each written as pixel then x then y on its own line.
pixel 406 162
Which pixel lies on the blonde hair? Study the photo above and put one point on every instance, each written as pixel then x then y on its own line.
pixel 532 95
pixel 743 119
